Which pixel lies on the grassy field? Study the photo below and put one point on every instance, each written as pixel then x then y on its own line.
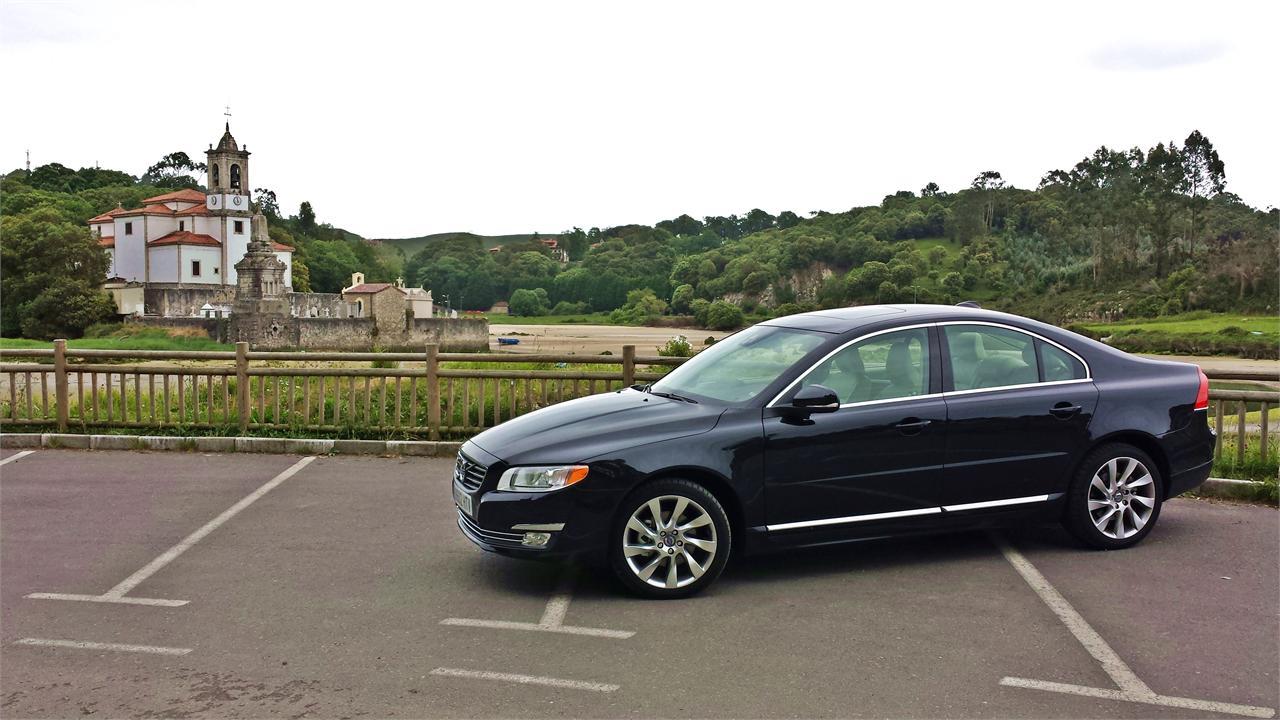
pixel 1266 327
pixel 1195 333
pixel 148 339
pixel 580 319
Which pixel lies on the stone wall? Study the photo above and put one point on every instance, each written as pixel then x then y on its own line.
pixel 216 329
pixel 320 305
pixel 185 302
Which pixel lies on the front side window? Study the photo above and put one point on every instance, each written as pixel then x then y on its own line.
pixel 882 367
pixel 741 366
pixel 128 228
pixel 195 268
pixel 239 227
pixel 983 356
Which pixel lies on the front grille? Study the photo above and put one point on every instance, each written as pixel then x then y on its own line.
pixel 490 536
pixel 468 473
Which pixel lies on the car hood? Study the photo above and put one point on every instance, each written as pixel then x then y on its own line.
pixel 577 430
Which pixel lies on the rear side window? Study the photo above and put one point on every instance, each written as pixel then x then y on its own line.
pixel 1057 364
pixel 983 356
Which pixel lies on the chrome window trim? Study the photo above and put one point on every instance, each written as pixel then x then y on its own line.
pixel 912 513
pixel 1015 387
pixel 831 354
pixel 1088 372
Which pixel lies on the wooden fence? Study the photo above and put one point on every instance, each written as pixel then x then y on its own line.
pixel 429 394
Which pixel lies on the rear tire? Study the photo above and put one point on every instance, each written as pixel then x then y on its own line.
pixel 1115 497
pixel 671 539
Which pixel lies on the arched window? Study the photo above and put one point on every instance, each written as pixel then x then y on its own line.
pixel 216 178
pixel 235 175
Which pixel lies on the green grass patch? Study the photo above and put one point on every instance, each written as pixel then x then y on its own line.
pixel 125 339
pixel 580 319
pixel 1265 327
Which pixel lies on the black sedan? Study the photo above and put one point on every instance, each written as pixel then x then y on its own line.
pixel 837 426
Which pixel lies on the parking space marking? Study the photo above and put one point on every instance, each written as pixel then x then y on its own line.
pixel 117 594
pixel 80 645
pixel 16 456
pixel 1132 688
pixel 552 617
pixel 523 679
pixel 1152 699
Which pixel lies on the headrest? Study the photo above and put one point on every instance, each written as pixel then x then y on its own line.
pixel 968 346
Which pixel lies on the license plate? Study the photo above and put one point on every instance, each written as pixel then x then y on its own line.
pixel 463 500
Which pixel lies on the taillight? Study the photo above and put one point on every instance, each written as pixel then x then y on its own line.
pixel 1202 397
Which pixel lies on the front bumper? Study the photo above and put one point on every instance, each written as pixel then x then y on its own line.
pixel 576 518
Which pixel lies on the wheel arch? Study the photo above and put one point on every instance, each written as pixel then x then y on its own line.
pixel 1144 442
pixel 718 487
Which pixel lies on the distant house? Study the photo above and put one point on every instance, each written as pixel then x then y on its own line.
pixel 374 300
pixel 418 300
pixel 500 308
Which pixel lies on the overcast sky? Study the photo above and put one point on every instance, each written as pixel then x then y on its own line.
pixel 402 119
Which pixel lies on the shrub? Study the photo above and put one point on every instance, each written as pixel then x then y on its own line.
pixel 528 302
pixel 677 346
pixel 724 316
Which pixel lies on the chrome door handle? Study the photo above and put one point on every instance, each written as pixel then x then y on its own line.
pixel 1064 410
pixel 912 425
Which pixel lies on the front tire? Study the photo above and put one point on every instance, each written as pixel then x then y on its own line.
pixel 671 539
pixel 1115 497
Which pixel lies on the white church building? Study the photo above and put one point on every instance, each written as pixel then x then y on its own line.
pixel 187 237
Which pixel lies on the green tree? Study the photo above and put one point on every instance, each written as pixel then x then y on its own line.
pixel 306 217
pixel 681 299
pixel 528 303
pixel 174 170
pixel 53 272
pixel 721 315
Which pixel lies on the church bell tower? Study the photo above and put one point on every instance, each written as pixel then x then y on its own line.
pixel 228 199
pixel 228 176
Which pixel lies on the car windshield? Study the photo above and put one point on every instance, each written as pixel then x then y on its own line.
pixel 739 367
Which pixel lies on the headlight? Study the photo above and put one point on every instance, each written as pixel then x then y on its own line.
pixel 541 479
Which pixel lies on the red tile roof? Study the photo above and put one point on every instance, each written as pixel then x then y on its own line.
pixel 194 210
pixel 104 217
pixel 187 195
pixel 147 210
pixel 182 237
pixel 108 241
pixel 371 288
pixel 281 247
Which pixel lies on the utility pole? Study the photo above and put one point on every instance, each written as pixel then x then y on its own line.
pixel 28 161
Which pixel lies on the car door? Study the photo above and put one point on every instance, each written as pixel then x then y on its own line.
pixel 1018 411
pixel 876 459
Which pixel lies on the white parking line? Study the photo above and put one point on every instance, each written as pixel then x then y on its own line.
pixel 552 617
pixel 117 593
pixel 1132 689
pixel 16 456
pixel 523 679
pixel 80 645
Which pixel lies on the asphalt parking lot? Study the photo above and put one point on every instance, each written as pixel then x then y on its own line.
pixel 177 585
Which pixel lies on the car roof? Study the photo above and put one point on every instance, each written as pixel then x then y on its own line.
pixel 842 320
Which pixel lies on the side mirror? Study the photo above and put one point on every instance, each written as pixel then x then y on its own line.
pixel 816 399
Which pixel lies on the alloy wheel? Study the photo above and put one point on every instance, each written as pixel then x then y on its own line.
pixel 669 541
pixel 1122 497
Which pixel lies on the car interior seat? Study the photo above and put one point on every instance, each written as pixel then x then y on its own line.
pixel 905 379
pixel 967 352
pixel 1001 370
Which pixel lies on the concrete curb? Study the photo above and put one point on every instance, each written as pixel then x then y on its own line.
pixel 280 446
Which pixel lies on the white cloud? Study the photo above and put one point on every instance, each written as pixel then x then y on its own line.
pixel 1150 56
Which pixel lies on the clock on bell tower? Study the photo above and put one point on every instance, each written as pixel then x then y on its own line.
pixel 228 177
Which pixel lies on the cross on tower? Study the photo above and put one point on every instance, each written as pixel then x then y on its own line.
pixel 227 112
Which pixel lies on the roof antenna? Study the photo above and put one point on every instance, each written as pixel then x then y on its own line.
pixel 969 304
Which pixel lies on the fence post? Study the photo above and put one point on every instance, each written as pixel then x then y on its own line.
pixel 60 384
pixel 242 385
pixel 433 391
pixel 628 365
pixel 1241 435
